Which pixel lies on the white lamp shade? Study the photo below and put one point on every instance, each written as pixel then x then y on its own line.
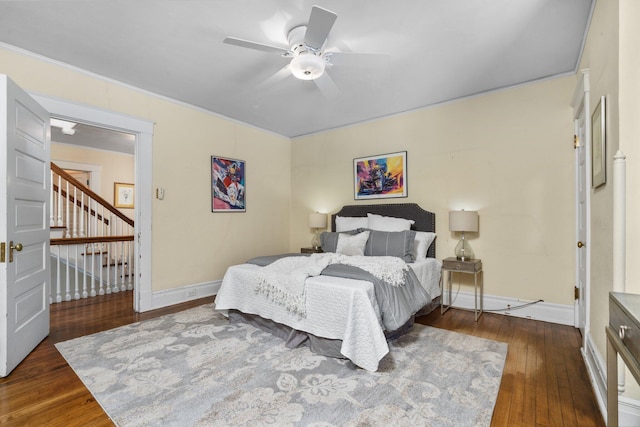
pixel 463 221
pixel 317 220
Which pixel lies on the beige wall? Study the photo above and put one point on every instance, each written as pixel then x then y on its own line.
pixel 190 243
pixel 601 58
pixel 506 154
pixel 114 167
pixel 611 54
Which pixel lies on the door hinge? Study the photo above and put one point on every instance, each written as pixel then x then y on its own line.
pixel 576 292
pixel 576 142
pixel 3 251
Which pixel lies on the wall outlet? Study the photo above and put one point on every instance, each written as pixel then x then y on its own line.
pixel 191 293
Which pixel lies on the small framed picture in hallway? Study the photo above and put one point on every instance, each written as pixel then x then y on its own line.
pixel 123 195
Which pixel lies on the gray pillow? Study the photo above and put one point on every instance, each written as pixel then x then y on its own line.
pixel 391 243
pixel 329 239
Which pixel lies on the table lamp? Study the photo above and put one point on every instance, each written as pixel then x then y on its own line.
pixel 463 221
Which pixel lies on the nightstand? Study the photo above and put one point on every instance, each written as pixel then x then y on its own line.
pixel 310 251
pixel 454 265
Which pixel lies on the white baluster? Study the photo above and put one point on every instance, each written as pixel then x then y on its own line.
pixel 123 284
pixel 82 234
pixel 58 281
pixel 103 258
pixel 130 270
pixel 96 230
pixel 113 258
pixel 93 288
pixel 108 269
pixel 67 294
pixel 76 287
pixel 85 294
pixel 60 223
pixel 66 201
pixel 93 273
pixel 75 211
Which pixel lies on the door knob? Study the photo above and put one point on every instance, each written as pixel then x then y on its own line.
pixel 17 247
pixel 580 244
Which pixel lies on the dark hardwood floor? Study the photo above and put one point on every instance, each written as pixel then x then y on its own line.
pixel 544 383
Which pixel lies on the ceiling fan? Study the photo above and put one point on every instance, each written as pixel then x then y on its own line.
pixel 309 60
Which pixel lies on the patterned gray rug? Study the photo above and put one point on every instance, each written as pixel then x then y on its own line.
pixel 194 368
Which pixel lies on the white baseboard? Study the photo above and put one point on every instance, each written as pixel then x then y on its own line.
pixel 186 293
pixel 628 409
pixel 596 368
pixel 545 311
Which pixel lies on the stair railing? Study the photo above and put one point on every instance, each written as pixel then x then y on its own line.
pixel 94 253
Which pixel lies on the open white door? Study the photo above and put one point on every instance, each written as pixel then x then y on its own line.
pixel 24 225
pixel 582 137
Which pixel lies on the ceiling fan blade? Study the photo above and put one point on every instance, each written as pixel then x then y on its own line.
pixel 320 23
pixel 327 86
pixel 253 45
pixel 275 78
pixel 357 59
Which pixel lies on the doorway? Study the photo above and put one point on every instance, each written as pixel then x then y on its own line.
pixel 142 132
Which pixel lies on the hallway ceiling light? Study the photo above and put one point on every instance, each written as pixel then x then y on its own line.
pixel 65 126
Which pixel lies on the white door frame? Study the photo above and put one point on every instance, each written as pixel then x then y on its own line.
pixel 143 130
pixel 582 123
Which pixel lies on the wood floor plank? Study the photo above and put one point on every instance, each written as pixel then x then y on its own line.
pixel 544 377
pixel 541 396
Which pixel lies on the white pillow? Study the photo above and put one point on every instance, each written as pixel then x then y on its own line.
pixel 348 223
pixel 421 244
pixel 388 223
pixel 352 245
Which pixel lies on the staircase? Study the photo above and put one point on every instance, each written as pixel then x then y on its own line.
pixel 92 250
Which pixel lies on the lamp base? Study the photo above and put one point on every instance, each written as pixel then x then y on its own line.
pixel 315 242
pixel 463 250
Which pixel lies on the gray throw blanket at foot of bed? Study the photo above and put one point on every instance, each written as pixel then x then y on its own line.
pixel 397 304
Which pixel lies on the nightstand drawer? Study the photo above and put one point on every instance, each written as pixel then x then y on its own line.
pixel 623 322
pixel 469 266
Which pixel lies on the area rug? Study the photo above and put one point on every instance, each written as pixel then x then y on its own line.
pixel 194 368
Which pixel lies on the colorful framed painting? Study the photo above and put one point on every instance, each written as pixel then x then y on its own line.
pixel 227 185
pixel 380 177
pixel 123 195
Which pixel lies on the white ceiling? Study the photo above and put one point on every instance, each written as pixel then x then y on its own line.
pixel 96 137
pixel 439 50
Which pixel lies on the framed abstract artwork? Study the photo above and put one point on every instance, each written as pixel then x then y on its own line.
pixel 123 195
pixel 599 145
pixel 381 176
pixel 227 185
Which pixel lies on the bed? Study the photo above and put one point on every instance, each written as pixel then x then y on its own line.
pixel 344 311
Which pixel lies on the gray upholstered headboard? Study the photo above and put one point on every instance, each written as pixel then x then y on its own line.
pixel 424 220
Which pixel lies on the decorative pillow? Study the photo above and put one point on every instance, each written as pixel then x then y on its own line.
pixel 388 223
pixel 352 245
pixel 348 223
pixel 329 240
pixel 394 243
pixel 422 243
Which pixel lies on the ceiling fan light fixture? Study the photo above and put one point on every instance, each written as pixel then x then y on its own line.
pixel 307 66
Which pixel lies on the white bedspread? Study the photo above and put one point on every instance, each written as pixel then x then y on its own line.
pixel 337 308
pixel 343 309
